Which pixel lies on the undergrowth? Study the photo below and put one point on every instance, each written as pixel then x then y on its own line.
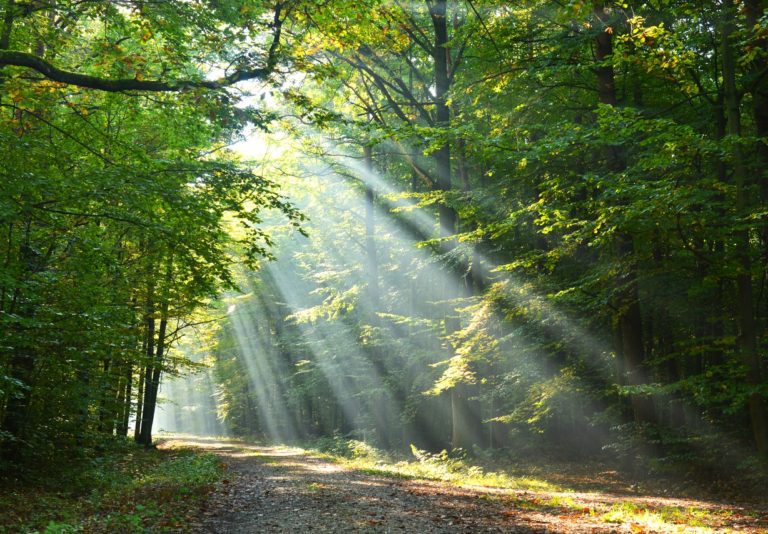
pixel 124 489
pixel 454 467
pixel 535 493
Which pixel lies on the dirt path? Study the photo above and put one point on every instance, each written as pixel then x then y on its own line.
pixel 283 490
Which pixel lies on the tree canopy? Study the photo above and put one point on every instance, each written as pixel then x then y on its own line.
pixel 529 224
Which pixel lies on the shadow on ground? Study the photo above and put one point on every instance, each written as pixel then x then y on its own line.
pixel 283 489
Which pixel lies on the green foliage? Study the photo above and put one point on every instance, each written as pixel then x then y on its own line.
pixel 454 467
pixel 125 488
pixel 561 238
pixel 583 206
pixel 59 528
pixel 187 473
pixel 117 211
pixel 346 448
pixel 450 463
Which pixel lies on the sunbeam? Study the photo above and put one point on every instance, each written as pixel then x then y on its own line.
pixel 187 403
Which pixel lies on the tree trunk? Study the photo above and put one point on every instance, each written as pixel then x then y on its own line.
pixel 153 379
pixel 149 354
pixel 23 361
pixel 442 156
pixel 755 10
pixel 125 401
pixel 106 421
pixel 465 412
pixel 139 404
pixel 372 260
pixel 380 402
pixel 629 320
pixel 745 309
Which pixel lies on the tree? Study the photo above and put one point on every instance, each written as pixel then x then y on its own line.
pixel 129 27
pixel 114 211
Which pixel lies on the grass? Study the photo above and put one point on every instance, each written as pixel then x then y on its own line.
pixel 666 518
pixel 638 517
pixel 452 468
pixel 126 489
pixel 314 487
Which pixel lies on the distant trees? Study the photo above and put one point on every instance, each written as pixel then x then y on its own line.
pixel 609 228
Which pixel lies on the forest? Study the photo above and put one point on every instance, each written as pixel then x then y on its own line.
pixel 453 233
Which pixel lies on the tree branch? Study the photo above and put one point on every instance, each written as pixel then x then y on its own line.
pixel 61 131
pixel 15 58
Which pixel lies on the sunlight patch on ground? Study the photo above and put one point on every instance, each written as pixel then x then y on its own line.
pixel 323 468
pixel 368 483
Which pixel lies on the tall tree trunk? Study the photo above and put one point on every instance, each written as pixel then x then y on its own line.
pixel 139 403
pixel 23 360
pixel 745 308
pixel 149 354
pixel 380 404
pixel 755 11
pixel 442 156
pixel 465 418
pixel 153 379
pixel 106 421
pixel 629 320
pixel 372 260
pixel 125 401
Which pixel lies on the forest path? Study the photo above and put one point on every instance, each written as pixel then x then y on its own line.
pixel 278 489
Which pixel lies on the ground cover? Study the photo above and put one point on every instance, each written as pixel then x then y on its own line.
pixel 123 489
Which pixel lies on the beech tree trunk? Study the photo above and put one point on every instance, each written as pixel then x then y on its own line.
pixel 152 386
pixel 22 361
pixel 745 306
pixel 465 419
pixel 372 260
pixel 125 401
pixel 149 354
pixel 629 319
